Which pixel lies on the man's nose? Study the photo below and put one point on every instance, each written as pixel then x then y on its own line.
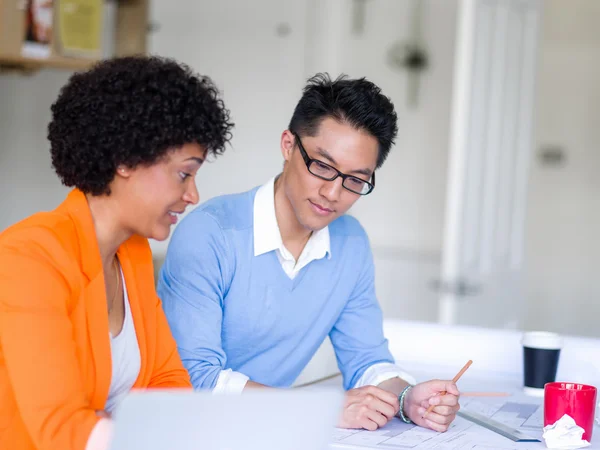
pixel 331 190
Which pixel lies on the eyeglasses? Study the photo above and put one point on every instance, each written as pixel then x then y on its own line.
pixel 326 172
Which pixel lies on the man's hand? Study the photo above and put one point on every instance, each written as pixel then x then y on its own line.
pixel 421 396
pixel 368 407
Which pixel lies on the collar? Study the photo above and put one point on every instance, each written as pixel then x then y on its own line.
pixel 267 236
pixel 78 209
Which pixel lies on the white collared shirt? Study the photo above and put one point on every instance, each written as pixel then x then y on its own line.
pixel 267 238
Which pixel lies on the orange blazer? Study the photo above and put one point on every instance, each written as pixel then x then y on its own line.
pixel 55 360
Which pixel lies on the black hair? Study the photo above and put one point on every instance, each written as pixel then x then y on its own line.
pixel 357 102
pixel 131 111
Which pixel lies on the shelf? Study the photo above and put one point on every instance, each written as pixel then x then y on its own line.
pixel 55 62
pixel 130 35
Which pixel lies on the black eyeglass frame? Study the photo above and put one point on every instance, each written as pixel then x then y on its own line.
pixel 309 161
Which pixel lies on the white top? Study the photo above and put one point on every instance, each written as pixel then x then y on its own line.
pixel 126 363
pixel 126 360
pixel 267 237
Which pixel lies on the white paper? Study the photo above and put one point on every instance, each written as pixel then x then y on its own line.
pixel 564 434
pixel 463 434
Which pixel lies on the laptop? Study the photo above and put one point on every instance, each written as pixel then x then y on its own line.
pixel 292 419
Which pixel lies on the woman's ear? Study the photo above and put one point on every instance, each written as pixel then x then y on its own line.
pixel 123 171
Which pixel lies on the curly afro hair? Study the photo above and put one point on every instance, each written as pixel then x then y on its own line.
pixel 131 111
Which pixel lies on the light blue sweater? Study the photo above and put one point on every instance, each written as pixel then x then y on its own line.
pixel 229 309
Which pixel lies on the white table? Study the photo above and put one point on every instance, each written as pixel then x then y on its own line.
pixel 491 350
pixel 436 351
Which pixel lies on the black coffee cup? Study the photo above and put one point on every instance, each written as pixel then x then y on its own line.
pixel 541 352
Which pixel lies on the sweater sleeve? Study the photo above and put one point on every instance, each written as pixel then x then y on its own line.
pixel 357 335
pixel 168 371
pixel 192 285
pixel 37 346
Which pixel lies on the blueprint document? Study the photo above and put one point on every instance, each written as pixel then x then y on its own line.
pixel 525 415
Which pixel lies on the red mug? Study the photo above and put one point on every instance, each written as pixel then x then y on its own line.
pixel 576 400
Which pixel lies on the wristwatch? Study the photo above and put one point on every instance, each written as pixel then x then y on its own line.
pixel 401 397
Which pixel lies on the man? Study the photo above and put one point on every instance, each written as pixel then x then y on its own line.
pixel 254 282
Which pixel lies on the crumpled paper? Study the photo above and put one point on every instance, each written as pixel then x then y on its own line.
pixel 564 434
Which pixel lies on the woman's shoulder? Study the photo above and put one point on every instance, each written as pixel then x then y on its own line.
pixel 41 250
pixel 42 233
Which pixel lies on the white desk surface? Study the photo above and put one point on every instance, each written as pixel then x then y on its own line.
pixel 484 439
pixel 430 350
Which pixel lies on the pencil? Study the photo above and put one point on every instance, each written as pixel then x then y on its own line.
pixel 454 380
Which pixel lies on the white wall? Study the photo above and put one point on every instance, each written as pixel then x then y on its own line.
pixel 260 73
pixel 404 215
pixel 27 182
pixel 261 69
pixel 407 208
pixel 261 66
pixel 563 243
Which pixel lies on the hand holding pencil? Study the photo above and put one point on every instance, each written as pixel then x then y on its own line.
pixel 434 404
pixel 454 380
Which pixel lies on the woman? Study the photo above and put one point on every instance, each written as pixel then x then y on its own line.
pixel 80 321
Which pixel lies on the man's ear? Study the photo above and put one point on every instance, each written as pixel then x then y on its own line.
pixel 288 141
